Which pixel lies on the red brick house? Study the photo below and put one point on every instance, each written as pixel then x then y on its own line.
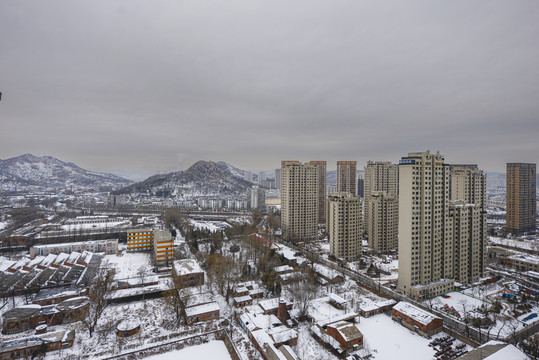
pixel 202 312
pixel 416 319
pixel 346 333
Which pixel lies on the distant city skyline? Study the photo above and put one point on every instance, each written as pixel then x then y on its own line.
pixel 155 87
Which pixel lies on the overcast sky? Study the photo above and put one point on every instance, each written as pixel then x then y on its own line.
pixel 141 84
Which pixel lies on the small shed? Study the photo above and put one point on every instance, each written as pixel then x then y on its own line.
pixel 128 327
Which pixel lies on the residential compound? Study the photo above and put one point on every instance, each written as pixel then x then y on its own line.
pixel 321 165
pixel 441 237
pixel 299 200
pixel 344 225
pixel 347 177
pixel 381 205
pixel 521 198
pixel 158 241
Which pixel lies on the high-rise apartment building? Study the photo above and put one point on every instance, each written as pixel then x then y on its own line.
pixel 344 225
pixel 442 224
pixel 277 178
pixel 299 200
pixel 261 178
pixel 465 251
pixel 424 224
pixel 469 185
pixel 382 216
pixel 321 165
pixel 381 211
pixel 381 176
pixel 361 185
pixel 521 198
pixel 347 177
pixel 256 197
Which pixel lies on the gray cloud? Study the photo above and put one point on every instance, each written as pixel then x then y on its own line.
pixel 130 84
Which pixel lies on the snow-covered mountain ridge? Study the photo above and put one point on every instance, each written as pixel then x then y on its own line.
pixel 203 178
pixel 50 172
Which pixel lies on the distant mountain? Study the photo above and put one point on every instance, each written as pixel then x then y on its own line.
pixel 48 172
pixel 203 178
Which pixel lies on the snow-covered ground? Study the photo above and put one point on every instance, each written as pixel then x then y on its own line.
pixel 209 351
pixel 128 265
pixel 460 302
pixel 387 340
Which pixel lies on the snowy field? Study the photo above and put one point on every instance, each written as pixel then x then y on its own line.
pixel 459 301
pixel 208 351
pixel 128 264
pixel 387 340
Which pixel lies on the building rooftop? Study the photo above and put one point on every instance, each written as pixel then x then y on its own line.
pixel 348 331
pixel 187 266
pixel 415 313
pixel 202 309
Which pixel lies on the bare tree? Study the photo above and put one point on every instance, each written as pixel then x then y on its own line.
pixel 302 293
pixel 98 293
pixel 222 269
pixel 177 297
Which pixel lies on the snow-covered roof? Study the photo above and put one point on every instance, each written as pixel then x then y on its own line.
pixel 419 315
pixel 21 343
pixel 202 309
pixel 60 259
pixel 128 324
pixel 283 268
pixel 19 264
pixel 347 316
pixel 271 304
pixel 337 299
pixel 187 266
pixel 282 334
pixel 73 257
pixel 5 263
pixel 241 289
pixel 494 350
pixel 375 305
pixel 48 260
pixel 241 299
pixel 347 330
pixel 260 321
pixel 52 293
pixel 124 293
pixel 326 272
